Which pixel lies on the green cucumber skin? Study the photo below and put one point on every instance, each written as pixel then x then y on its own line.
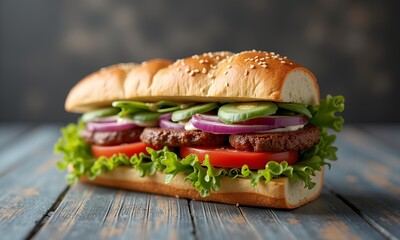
pixel 229 113
pixel 187 113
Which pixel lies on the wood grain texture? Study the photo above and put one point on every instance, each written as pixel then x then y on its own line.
pixel 388 133
pixel 91 212
pixel 41 138
pixel 30 189
pixel 367 177
pixel 9 133
pixel 326 218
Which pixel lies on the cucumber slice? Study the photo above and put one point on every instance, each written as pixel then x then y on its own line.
pixel 146 116
pixel 105 112
pixel 296 107
pixel 131 105
pixel 237 112
pixel 188 113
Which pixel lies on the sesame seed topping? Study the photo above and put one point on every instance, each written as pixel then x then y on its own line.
pixel 204 70
pixel 179 69
pixel 252 66
pixel 246 72
pixel 196 70
pixel 226 84
pixel 226 72
pixel 187 70
pixel 280 59
pixel 210 75
pixel 284 57
pixel 195 56
pixel 264 66
pixel 291 63
pixel 283 62
pixel 201 61
pixel 229 66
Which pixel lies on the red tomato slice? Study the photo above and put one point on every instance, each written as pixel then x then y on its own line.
pixel 232 158
pixel 129 149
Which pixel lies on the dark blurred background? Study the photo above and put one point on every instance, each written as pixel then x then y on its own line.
pixel 47 46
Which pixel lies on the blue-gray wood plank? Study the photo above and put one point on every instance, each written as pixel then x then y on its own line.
pixel 32 186
pixel 388 133
pixel 367 176
pixel 326 218
pixel 10 132
pixel 91 212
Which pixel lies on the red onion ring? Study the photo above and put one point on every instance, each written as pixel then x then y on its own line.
pixel 222 128
pixel 109 126
pixel 166 116
pixel 166 124
pixel 276 121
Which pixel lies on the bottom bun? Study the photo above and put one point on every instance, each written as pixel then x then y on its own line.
pixel 278 193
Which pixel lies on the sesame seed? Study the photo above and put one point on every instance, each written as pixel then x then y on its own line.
pixel 280 59
pixel 187 70
pixel 291 63
pixel 267 57
pixel 284 57
pixel 252 66
pixel 217 58
pixel 226 84
pixel 256 60
pixel 195 56
pixel 253 50
pixel 246 72
pixel 283 62
pixel 201 61
pixel 210 75
pixel 226 72
pixel 179 69
pixel 196 70
pixel 229 66
pixel 264 66
pixel 204 70
pixel 272 53
pixel 191 73
pixel 206 61
pixel 255 57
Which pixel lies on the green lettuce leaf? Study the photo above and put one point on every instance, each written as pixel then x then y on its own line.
pixel 203 176
pixel 323 115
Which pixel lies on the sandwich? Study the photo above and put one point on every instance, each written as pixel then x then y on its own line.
pixel 246 128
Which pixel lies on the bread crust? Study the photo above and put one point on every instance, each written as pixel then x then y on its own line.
pixel 278 193
pixel 209 77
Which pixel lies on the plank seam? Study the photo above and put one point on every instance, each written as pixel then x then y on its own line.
pixel 192 218
pixel 286 230
pixel 48 214
pixel 248 223
pixel 369 221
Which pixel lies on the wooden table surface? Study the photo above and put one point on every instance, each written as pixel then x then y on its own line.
pixel 360 200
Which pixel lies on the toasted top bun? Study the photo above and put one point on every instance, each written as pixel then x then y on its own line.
pixel 221 76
